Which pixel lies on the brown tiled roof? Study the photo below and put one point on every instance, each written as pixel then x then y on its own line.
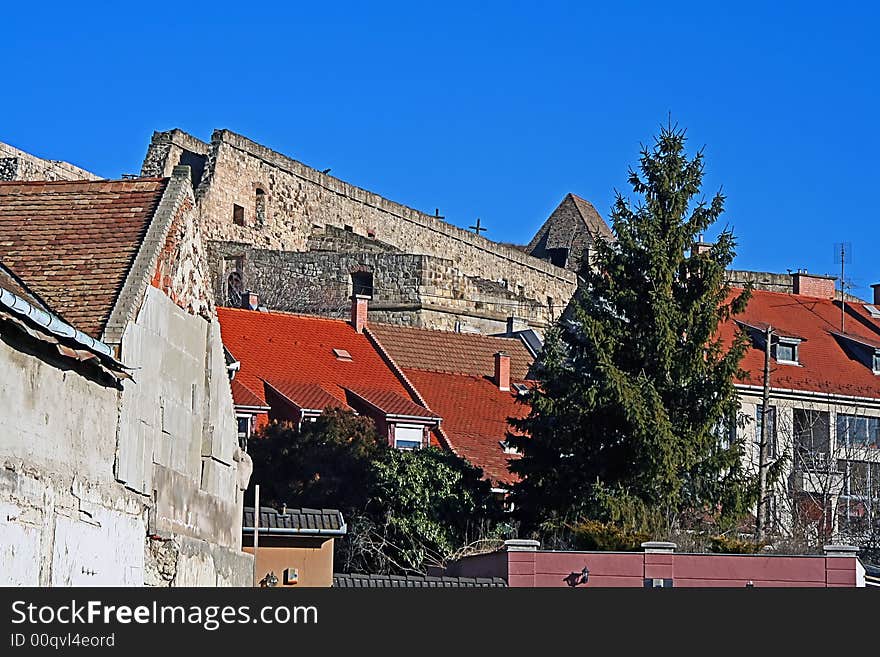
pixel 73 243
pixel 592 219
pixel 445 351
pixel 10 283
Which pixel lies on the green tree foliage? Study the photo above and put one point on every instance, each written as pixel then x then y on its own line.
pixel 634 380
pixel 426 504
pixel 405 510
pixel 324 463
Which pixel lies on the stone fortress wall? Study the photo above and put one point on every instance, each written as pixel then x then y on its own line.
pixel 18 165
pixel 252 198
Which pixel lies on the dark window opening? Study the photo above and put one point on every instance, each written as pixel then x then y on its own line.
pixel 811 439
pixel 362 283
pixel 260 206
pixel 558 257
pixel 237 215
pixel 196 164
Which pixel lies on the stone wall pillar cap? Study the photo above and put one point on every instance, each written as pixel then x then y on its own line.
pixel 659 546
pixel 521 545
pixel 836 550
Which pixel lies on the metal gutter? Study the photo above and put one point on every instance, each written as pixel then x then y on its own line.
pixel 52 324
pixel 284 531
pixel 791 393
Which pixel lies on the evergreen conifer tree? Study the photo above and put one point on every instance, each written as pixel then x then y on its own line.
pixel 634 381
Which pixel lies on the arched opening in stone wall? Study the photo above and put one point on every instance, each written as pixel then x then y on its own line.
pixel 260 206
pixel 362 283
pixel 234 289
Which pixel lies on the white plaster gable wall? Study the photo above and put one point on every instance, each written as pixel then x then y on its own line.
pixel 177 424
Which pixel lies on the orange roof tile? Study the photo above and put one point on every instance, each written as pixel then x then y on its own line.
pixel 389 402
pixel 73 243
pixel 243 396
pixel 289 350
pixel 474 415
pixel 307 396
pixel 825 366
pixel 445 351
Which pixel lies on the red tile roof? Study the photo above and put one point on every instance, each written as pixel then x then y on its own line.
pixel 295 353
pixel 445 351
pixel 389 402
pixel 243 396
pixel 825 365
pixel 307 396
pixel 474 415
pixel 73 243
pixel 453 373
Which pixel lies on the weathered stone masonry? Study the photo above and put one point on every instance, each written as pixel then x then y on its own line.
pixel 18 165
pixel 248 194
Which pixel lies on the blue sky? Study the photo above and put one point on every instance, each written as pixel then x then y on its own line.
pixel 493 110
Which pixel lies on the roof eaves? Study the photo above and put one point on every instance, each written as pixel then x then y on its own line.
pixel 178 189
pixel 46 321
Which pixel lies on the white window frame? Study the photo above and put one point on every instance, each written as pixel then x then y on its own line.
pixel 407 427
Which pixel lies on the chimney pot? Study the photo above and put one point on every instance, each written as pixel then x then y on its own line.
pixel 502 371
pixel 841 550
pixel 700 247
pixel 515 324
pixel 359 311
pixel 662 547
pixel 876 288
pixel 250 300
pixel 813 285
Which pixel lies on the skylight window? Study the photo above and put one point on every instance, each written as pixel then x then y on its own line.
pixel 876 364
pixel 343 355
pixel 873 311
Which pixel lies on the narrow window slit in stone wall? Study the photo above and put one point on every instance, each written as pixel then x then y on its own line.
pixel 237 215
pixel 260 206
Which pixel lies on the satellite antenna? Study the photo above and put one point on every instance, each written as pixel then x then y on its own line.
pixel 843 257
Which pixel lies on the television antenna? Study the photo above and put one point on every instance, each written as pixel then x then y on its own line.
pixel 843 257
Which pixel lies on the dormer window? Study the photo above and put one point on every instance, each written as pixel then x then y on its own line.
pixel 876 365
pixel 785 350
pixel 408 436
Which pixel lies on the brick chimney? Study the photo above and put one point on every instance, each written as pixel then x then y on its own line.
pixel 359 311
pixel 502 371
pixel 701 247
pixel 250 300
pixel 813 285
pixel 876 288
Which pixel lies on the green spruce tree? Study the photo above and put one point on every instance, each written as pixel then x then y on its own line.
pixel 634 380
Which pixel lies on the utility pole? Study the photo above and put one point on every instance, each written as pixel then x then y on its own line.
pixel 762 446
pixel 842 297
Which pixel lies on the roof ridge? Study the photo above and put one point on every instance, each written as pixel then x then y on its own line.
pixel 286 313
pixel 446 331
pixel 84 181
